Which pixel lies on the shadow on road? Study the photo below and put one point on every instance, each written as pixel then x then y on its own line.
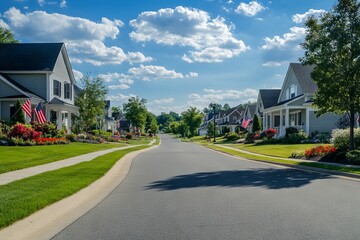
pixel 266 178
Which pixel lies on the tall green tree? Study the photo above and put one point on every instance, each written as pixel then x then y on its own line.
pixel 332 46
pixel 183 129
pixel 192 118
pixel 135 112
pixel 91 101
pixel 256 126
pixel 19 116
pixel 164 119
pixel 6 36
pixel 151 124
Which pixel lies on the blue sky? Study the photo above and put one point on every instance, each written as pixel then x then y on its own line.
pixel 173 53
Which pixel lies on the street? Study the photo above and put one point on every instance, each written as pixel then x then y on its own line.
pixel 185 191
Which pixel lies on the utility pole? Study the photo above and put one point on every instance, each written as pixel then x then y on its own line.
pixel 214 124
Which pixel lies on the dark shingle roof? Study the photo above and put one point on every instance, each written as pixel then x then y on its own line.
pixel 303 75
pixel 29 56
pixel 269 97
pixel 22 88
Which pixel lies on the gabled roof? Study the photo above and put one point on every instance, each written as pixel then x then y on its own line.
pixel 23 89
pixel 29 56
pixel 303 75
pixel 269 97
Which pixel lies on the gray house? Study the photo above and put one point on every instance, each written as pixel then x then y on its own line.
pixel 294 106
pixel 42 73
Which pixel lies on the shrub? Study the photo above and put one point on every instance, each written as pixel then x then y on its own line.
pixel 319 151
pixel 249 138
pixel 23 132
pixel 290 130
pixel 129 136
pixel 70 137
pixel 231 136
pixel 341 138
pixel 341 157
pixel 353 157
pixel 298 154
pixel 47 129
pixel 295 138
pixel 270 133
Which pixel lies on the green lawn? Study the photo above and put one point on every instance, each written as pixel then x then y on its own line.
pixel 21 198
pixel 276 150
pixel 14 158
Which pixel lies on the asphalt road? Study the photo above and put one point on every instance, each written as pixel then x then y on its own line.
pixel 184 191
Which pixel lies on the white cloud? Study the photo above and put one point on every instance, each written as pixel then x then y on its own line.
pixel 78 75
pixel 63 3
pixel 161 101
pixel 192 75
pixel 150 72
pixel 295 35
pixel 41 2
pixel 211 39
pixel 120 86
pixel 232 97
pixel 272 64
pixel 249 9
pixel 137 57
pixel 120 97
pixel 301 18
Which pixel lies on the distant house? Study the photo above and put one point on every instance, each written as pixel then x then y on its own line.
pixel 109 122
pixel 42 73
pixel 294 106
pixel 249 113
pixel 229 120
pixel 266 99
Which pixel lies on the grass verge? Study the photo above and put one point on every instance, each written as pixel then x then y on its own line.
pixel 21 198
pixel 19 157
pixel 283 161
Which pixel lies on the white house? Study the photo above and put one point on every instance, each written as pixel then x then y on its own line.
pixel 294 106
pixel 42 73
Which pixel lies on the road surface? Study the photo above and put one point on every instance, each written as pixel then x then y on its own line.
pixel 184 191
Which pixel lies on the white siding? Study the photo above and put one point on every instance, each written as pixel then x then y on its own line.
pixel 289 80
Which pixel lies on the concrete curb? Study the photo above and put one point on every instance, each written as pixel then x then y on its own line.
pixel 345 175
pixel 49 221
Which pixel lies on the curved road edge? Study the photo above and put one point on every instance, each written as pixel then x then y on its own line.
pixel 47 222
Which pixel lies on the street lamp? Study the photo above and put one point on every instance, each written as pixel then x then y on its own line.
pixel 214 123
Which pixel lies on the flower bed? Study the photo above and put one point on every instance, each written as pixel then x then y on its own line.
pixel 50 141
pixel 319 151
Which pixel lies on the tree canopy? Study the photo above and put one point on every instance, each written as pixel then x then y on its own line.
pixel 332 46
pixel 6 36
pixel 135 111
pixel 91 101
pixel 192 118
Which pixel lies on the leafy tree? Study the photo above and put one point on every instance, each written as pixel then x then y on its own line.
pixel 183 129
pixel 226 107
pixel 135 111
pixel 175 116
pixel 151 125
pixel 210 129
pixel 332 46
pixel 256 124
pixel 164 120
pixel 116 112
pixel 210 109
pixel 19 115
pixel 174 127
pixel 192 118
pixel 91 101
pixel 6 36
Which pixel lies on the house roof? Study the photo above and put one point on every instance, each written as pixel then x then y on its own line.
pixel 269 97
pixel 289 100
pixel 303 75
pixel 22 88
pixel 29 56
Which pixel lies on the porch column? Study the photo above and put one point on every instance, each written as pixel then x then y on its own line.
pixel 69 122
pixel 271 120
pixel 307 121
pixel 266 121
pixel 263 121
pixel 286 118
pixel 59 119
pixel 281 123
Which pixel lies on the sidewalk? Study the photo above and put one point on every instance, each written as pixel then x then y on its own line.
pixel 9 177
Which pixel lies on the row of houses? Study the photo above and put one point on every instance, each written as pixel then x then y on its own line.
pixel 42 73
pixel 290 106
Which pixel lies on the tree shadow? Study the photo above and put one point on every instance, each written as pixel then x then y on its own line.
pixel 266 178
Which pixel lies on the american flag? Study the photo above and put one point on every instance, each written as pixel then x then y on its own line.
pixel 245 122
pixel 27 107
pixel 39 113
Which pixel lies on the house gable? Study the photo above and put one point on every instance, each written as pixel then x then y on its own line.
pixel 291 87
pixel 7 91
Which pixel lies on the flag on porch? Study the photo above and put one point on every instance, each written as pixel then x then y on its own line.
pixel 245 122
pixel 27 107
pixel 39 113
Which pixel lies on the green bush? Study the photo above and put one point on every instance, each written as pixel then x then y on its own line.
pixel 290 130
pixel 250 138
pixel 71 137
pixel 295 137
pixel 298 154
pixel 353 157
pixel 231 136
pixel 341 157
pixel 341 138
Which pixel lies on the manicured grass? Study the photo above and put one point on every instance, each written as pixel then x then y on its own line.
pixel 276 150
pixel 14 158
pixel 21 198
pixel 277 160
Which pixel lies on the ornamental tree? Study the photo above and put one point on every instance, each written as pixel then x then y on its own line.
pixel 332 46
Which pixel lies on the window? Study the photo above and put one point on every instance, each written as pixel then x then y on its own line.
pixel 57 88
pixel 68 91
pixel 293 91
pixel 234 118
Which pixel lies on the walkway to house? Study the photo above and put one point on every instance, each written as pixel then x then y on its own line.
pixel 292 159
pixel 9 177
